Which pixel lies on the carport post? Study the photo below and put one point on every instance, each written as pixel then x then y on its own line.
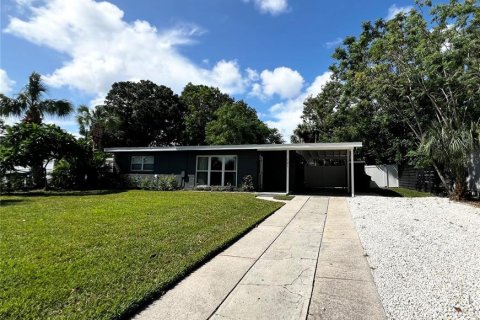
pixel 348 172
pixel 288 172
pixel 352 172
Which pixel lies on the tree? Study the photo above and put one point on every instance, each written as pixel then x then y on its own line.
pixel 419 78
pixel 94 122
pixel 143 114
pixel 30 103
pixel 34 145
pixel 237 123
pixel 201 103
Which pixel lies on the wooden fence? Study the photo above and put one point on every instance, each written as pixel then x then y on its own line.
pixel 426 180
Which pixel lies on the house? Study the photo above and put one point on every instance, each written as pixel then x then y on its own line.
pixel 282 168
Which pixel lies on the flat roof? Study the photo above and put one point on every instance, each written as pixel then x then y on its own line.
pixel 259 147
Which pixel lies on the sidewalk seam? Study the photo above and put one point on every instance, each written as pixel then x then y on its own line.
pixel 256 260
pixel 318 258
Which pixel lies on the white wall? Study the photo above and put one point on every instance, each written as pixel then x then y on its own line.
pixel 383 175
pixel 473 179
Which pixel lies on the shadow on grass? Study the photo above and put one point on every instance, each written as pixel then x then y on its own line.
pixel 11 202
pixel 385 193
pixel 79 193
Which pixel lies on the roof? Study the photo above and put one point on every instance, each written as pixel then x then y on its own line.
pixel 258 147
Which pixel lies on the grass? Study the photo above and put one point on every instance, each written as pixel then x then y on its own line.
pixel 282 197
pixel 89 256
pixel 401 192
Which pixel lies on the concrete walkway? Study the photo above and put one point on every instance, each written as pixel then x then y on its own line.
pixel 294 265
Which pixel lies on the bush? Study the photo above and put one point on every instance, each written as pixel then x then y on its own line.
pixel 15 182
pixel 166 183
pixel 227 188
pixel 163 183
pixel 63 176
pixel 247 184
pixel 110 180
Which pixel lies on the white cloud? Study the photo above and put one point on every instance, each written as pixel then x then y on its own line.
pixel 287 114
pixel 282 81
pixel 6 83
pixel 103 48
pixel 334 43
pixel 274 7
pixel 394 10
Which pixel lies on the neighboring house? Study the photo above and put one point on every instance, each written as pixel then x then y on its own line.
pixel 273 167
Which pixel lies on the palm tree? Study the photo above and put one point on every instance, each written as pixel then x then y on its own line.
pixel 94 122
pixel 30 104
pixel 451 146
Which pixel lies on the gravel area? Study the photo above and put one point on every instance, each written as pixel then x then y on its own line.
pixel 424 254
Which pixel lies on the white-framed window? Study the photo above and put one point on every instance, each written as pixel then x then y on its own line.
pixel 141 163
pixel 216 170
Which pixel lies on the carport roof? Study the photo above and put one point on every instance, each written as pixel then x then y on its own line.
pixel 258 147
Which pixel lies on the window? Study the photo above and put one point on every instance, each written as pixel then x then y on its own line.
pixel 216 171
pixel 142 163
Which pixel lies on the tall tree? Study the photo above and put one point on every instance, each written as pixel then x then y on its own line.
pixel 144 113
pixel 34 145
pixel 201 102
pixel 30 104
pixel 420 78
pixel 237 123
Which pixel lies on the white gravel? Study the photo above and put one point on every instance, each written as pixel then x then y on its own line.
pixel 424 254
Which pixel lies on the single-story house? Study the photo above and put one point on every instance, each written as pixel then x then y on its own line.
pixel 282 168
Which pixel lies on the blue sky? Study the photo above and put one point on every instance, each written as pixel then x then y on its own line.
pixel 271 53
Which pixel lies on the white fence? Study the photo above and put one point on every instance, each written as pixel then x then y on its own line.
pixel 383 175
pixel 473 179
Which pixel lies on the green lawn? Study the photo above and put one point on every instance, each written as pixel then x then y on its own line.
pixel 87 256
pixel 401 192
pixel 283 197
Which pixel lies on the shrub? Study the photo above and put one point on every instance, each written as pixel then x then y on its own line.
pixel 247 184
pixel 63 176
pixel 15 182
pixel 163 183
pixel 166 183
pixel 227 188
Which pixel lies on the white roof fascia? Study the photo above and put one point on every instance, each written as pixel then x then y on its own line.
pixel 259 147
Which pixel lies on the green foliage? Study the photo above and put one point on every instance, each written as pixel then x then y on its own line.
pixel 401 82
pixel 15 182
pixel 136 114
pixel 247 184
pixel 158 183
pixel 227 188
pixel 81 255
pixel 237 123
pixel 34 145
pixel 63 177
pixel 401 192
pixel 145 114
pixel 29 103
pixel 201 102
pixel 284 198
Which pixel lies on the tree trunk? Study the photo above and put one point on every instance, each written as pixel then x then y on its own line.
pixel 442 178
pixel 460 189
pixel 38 175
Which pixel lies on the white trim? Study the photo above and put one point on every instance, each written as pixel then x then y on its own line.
pixel 288 173
pixel 222 171
pixel 259 147
pixel 352 164
pixel 142 163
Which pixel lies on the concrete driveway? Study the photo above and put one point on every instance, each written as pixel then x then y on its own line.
pixel 304 261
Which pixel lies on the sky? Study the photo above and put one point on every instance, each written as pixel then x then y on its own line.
pixel 271 53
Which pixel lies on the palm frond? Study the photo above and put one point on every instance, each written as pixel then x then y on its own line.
pixel 11 107
pixel 59 108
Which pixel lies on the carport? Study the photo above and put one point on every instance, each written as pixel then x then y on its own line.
pixel 310 165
